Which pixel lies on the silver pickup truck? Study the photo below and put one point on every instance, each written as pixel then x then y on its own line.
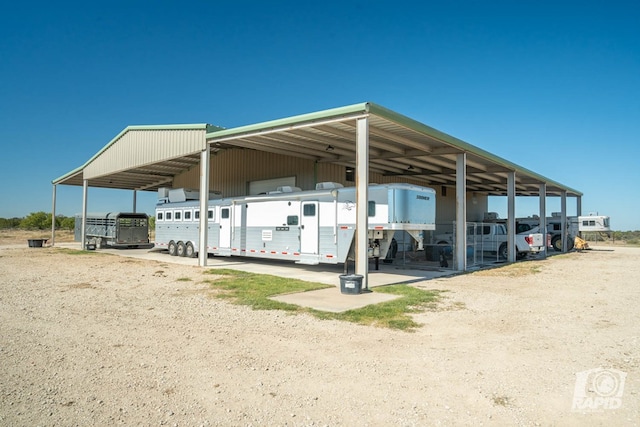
pixel 493 238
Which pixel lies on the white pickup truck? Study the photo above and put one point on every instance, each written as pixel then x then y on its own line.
pixel 493 238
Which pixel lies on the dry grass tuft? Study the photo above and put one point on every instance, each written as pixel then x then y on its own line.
pixel 518 269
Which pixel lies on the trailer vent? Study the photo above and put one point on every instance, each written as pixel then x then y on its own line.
pixel 328 185
pixel 288 189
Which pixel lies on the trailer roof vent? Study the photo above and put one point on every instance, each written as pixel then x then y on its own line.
pixel 491 216
pixel 328 185
pixel 288 189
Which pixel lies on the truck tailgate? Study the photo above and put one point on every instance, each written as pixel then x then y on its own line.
pixel 535 241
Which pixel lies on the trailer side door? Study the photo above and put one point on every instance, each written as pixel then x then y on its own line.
pixel 225 227
pixel 309 223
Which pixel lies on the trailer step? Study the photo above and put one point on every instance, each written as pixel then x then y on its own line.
pixel 308 262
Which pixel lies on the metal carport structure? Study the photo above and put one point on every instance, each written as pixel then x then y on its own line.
pixel 365 136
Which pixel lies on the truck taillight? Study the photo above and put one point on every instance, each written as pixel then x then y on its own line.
pixel 529 240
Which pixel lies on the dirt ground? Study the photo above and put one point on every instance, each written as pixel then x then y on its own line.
pixel 100 339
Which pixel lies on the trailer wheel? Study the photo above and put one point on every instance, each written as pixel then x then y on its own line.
pixel 557 244
pixel 189 250
pixel 173 248
pixel 181 249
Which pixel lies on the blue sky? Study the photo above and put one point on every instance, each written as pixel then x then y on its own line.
pixel 551 86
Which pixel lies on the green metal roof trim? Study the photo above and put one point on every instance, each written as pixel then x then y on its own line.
pixel 208 128
pixel 377 110
pixel 348 111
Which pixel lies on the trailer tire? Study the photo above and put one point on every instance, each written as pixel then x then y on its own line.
pixel 189 250
pixel 173 248
pixel 181 249
pixel 557 244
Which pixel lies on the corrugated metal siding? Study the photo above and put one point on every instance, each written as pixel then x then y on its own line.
pixel 141 147
pixel 231 171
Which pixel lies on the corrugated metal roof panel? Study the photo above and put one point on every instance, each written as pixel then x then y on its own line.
pixel 399 146
pixel 143 157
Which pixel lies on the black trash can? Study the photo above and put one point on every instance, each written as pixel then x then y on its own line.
pixel 35 243
pixel 351 284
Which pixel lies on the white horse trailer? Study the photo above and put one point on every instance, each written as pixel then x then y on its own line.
pixel 308 227
pixel 597 223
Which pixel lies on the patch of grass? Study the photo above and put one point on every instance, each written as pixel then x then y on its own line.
pixel 394 314
pixel 80 252
pixel 518 269
pixel 183 279
pixel 501 400
pixel 254 290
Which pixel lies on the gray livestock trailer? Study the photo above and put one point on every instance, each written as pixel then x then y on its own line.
pixel 114 229
pixel 308 227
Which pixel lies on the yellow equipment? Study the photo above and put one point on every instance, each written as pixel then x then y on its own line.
pixel 580 244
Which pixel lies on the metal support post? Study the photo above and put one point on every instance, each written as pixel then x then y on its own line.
pixel 362 200
pixel 461 212
pixel 563 213
pixel 205 164
pixel 511 216
pixel 85 190
pixel 543 216
pixel 53 216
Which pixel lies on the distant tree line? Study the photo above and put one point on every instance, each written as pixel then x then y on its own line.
pixel 42 221
pixel 631 237
pixel 38 221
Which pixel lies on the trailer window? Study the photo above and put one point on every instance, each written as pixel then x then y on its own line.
pixel 210 214
pixel 372 208
pixel 168 216
pixel 187 215
pixel 292 220
pixel 160 216
pixel 178 216
pixel 309 210
pixel 196 214
pixel 224 213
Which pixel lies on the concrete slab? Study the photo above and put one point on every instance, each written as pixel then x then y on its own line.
pixel 332 300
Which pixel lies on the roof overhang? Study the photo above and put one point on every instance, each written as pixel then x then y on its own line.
pixel 399 146
pixel 151 158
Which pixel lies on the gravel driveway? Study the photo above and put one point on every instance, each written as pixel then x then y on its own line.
pixel 105 340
